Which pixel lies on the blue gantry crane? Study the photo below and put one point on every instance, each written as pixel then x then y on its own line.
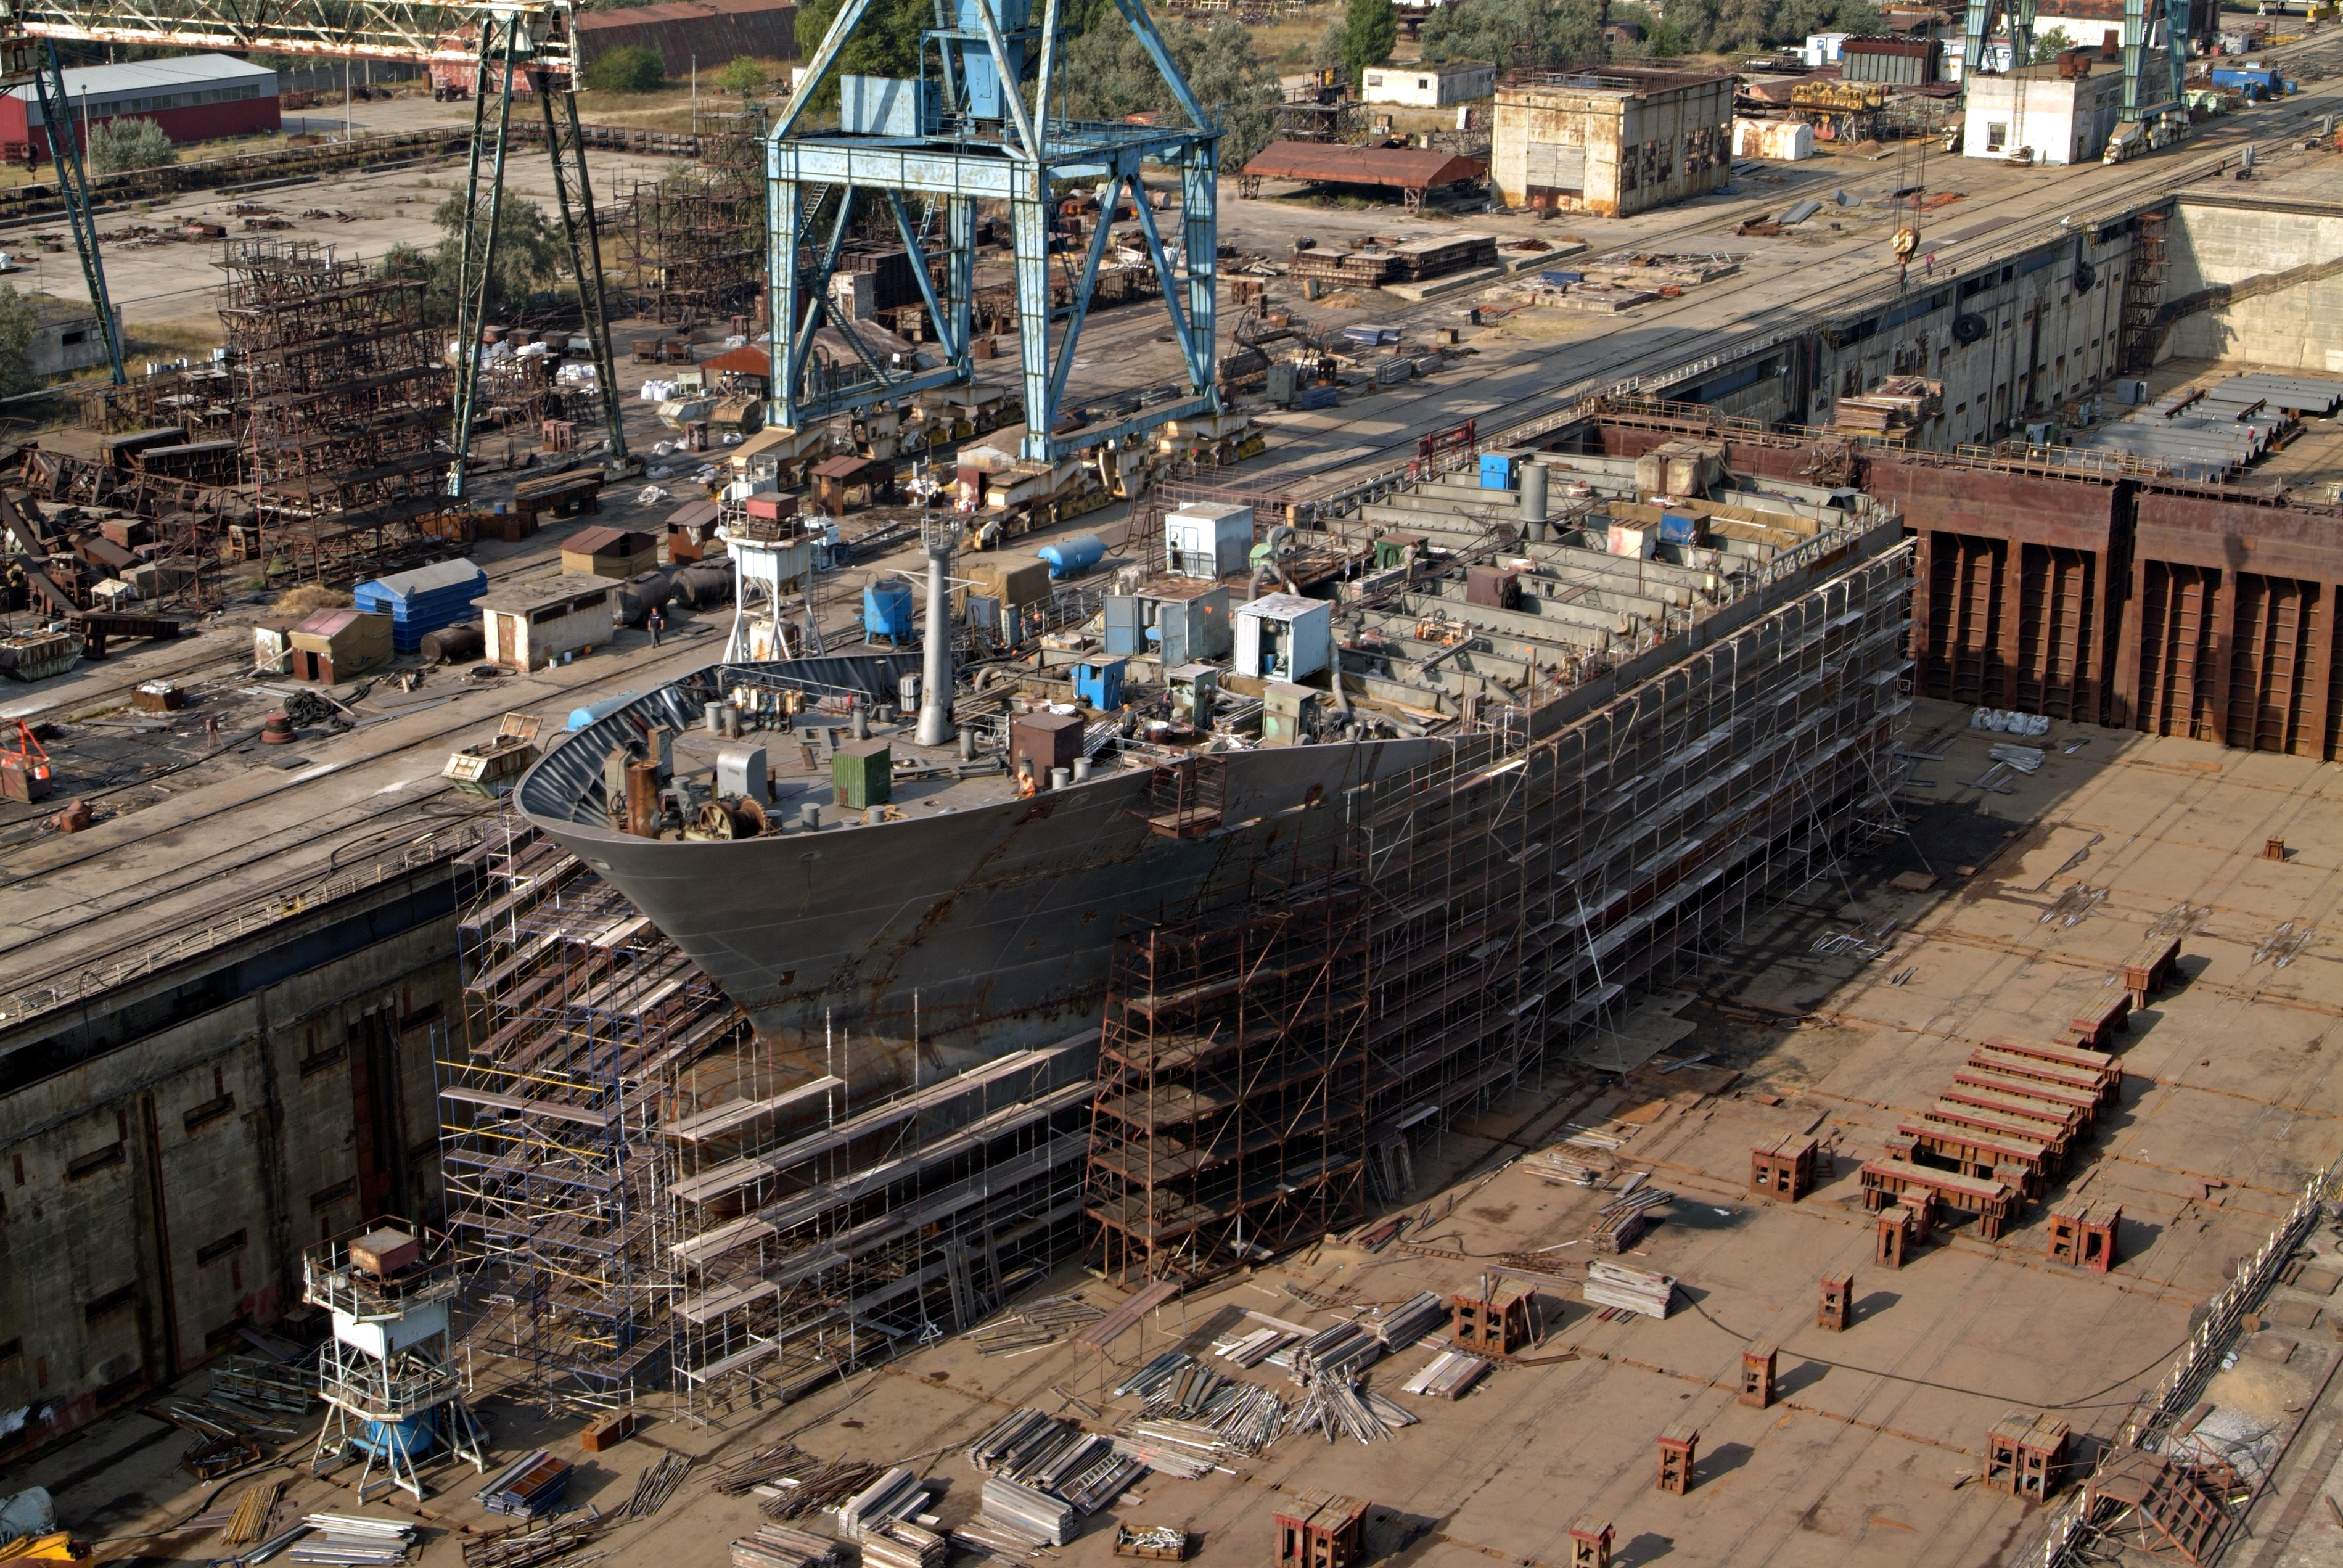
pixel 985 119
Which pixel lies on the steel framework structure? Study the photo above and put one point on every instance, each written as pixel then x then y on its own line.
pixel 967 135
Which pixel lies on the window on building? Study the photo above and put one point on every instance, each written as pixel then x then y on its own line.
pixel 1423 82
pixel 1997 134
pixel 1374 79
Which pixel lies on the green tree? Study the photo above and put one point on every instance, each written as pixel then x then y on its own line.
pixel 530 254
pixel 887 43
pixel 1370 29
pixel 630 68
pixel 742 76
pixel 1109 75
pixel 1537 34
pixel 129 142
pixel 1794 20
pixel 17 323
pixel 2047 44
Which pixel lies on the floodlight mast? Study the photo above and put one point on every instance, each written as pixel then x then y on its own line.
pixel 964 135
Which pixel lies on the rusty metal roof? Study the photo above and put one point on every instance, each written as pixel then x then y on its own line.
pixel 1401 168
pixel 749 359
pixel 604 540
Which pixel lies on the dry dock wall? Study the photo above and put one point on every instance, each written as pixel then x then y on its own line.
pixel 166 1151
pixel 2157 606
pixel 2255 279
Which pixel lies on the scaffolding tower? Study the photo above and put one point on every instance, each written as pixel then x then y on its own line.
pixel 578 1017
pixel 345 392
pixel 692 245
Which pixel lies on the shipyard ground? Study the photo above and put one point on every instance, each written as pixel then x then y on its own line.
pixel 1875 1447
pixel 2228 1105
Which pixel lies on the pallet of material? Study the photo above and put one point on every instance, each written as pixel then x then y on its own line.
pixel 1610 1284
pixel 530 1486
pixel 1447 1375
pixel 1162 1544
pixel 1437 258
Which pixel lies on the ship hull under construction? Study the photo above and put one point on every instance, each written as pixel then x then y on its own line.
pixel 979 930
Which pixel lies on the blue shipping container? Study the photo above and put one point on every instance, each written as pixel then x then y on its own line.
pixel 1679 528
pixel 1496 470
pixel 1557 276
pixel 1314 398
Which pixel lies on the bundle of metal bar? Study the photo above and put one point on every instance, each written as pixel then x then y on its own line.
pixel 897 1495
pixel 1337 1352
pixel 1026 1511
pixel 1422 1314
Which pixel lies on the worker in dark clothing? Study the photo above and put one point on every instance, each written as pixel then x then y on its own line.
pixel 656 624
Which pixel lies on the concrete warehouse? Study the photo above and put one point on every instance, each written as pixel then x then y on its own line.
pixel 1612 142
pixel 194 98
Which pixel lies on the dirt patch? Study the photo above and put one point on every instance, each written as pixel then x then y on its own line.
pixel 1490 1214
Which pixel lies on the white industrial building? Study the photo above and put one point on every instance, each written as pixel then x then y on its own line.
pixel 1428 86
pixel 2056 119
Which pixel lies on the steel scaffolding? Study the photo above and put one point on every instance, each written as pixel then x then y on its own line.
pixel 579 1018
pixel 815 1236
pixel 1270 1059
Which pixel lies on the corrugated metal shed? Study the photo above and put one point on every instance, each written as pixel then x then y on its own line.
pixel 710 32
pixel 107 88
pixel 1398 168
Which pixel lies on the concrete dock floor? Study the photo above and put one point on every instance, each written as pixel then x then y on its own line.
pixel 1874 1449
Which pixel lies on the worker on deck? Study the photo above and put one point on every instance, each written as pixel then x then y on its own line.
pixel 1026 788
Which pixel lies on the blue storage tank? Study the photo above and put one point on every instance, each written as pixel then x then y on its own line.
pixel 594 712
pixel 886 612
pixel 1497 470
pixel 1072 558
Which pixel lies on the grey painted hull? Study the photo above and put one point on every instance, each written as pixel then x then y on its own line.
pixel 989 928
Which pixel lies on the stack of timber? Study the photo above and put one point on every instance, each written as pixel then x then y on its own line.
pixel 1619 1224
pixel 780 1546
pixel 1895 408
pixel 903 1545
pixel 1356 268
pixel 1610 1284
